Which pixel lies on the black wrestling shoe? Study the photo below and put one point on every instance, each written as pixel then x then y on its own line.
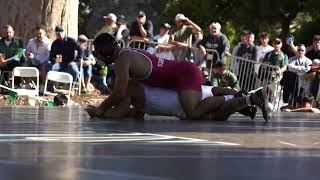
pixel 258 98
pixel 249 111
pixel 241 93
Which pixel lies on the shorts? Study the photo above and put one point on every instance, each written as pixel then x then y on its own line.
pixel 165 102
pixel 162 102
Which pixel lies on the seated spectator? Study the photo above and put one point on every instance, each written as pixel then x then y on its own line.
pixel 99 78
pixel 206 77
pixel 122 31
pixel 305 104
pixel 300 65
pixel 223 80
pixel 163 50
pixel 87 63
pixel 110 24
pixel 66 47
pixel 141 28
pixel 11 49
pixel 215 41
pixel 181 36
pixel 38 53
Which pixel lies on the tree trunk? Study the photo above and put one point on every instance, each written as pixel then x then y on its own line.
pixel 25 15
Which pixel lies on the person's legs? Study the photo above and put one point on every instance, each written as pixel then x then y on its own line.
pixel 73 69
pixel 87 73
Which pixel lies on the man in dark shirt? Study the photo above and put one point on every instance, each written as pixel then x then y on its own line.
pixel 141 29
pixel 70 51
pixel 215 41
pixel 248 51
pixel 11 50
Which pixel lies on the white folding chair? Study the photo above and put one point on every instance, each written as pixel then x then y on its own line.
pixel 61 77
pixel 27 72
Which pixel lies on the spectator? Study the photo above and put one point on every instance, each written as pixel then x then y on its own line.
pixel 300 65
pixel 67 48
pixel 223 80
pixel 163 50
pixel 305 104
pixel 197 54
pixel 87 63
pixel 314 75
pixel 11 49
pixel 235 64
pixel 99 78
pixel 110 24
pixel 279 59
pixel 38 53
pixel 265 47
pixel 122 31
pixel 215 41
pixel 141 28
pixel 314 53
pixel 206 77
pixel 248 51
pixel 181 36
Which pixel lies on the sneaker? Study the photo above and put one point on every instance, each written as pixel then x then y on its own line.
pixel 258 98
pixel 241 93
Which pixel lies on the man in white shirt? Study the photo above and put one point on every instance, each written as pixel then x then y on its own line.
pixel 300 65
pixel 38 52
pixel 163 50
pixel 263 49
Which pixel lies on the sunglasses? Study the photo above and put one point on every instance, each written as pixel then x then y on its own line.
pixel 300 50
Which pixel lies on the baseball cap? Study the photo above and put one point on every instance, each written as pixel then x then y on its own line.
pixel 315 64
pixel 219 64
pixel 59 28
pixel 141 14
pixel 111 16
pixel 165 25
pixel 83 37
pixel 180 17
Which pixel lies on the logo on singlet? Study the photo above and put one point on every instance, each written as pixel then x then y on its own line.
pixel 160 62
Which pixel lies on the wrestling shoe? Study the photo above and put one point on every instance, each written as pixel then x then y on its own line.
pixel 258 98
pixel 248 111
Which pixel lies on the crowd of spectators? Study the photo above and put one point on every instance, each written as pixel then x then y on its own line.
pixel 298 72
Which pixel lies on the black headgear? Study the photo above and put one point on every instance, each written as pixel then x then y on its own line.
pixel 106 42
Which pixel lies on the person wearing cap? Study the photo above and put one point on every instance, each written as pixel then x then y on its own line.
pixel 163 50
pixel 67 48
pixel 11 48
pixel 275 58
pixel 87 63
pixel 110 24
pixel 215 40
pixel 38 53
pixel 181 36
pixel 141 28
pixel 223 79
pixel 122 31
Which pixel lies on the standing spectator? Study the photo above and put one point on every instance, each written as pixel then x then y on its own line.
pixel 67 48
pixel 163 50
pixel 181 36
pixel 110 24
pixel 314 53
pixel 11 49
pixel 122 31
pixel 38 53
pixel 87 63
pixel 141 28
pixel 263 49
pixel 248 51
pixel 235 64
pixel 279 59
pixel 215 41
pixel 300 65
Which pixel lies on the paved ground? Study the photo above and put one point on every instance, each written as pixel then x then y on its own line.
pixel 64 143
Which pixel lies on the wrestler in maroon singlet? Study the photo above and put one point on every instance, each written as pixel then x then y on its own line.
pixel 179 75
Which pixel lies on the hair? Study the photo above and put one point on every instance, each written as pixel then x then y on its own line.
pixel 60 100
pixel 306 99
pixel 103 40
pixel 7 26
pixel 249 33
pixel 215 24
pixel 316 38
pixel 40 27
pixel 301 45
pixel 264 35
pixel 244 33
